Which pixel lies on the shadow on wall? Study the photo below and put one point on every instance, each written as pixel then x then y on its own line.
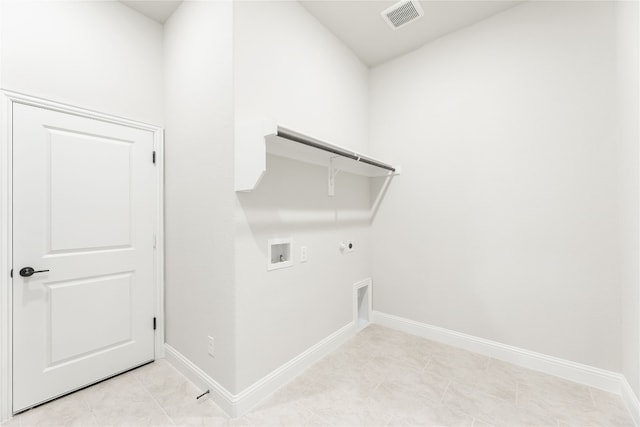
pixel 293 195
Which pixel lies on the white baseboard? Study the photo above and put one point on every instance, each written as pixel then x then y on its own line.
pixel 237 405
pixel 631 400
pixel 264 387
pixel 594 377
pixel 218 393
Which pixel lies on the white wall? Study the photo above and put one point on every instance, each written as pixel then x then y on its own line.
pixel 503 225
pixel 199 197
pixel 627 20
pixel 290 68
pixel 101 56
pixel 97 55
pixel 504 222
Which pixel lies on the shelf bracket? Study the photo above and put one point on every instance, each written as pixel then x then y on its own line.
pixel 332 171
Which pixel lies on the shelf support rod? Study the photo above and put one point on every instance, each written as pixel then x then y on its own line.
pixel 332 171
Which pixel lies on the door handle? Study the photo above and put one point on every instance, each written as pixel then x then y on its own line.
pixel 29 271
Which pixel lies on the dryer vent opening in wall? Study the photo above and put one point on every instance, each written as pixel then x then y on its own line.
pixel 362 303
pixel 402 13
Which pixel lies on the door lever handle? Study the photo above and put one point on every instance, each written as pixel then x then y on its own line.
pixel 29 271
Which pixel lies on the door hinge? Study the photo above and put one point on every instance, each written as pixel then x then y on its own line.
pixel 154 323
pixel 153 157
pixel 12 273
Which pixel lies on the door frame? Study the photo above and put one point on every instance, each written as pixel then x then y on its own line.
pixel 7 100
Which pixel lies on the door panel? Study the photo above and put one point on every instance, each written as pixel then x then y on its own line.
pixel 106 307
pixel 91 177
pixel 84 197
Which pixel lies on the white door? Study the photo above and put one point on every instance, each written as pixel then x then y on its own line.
pixel 83 210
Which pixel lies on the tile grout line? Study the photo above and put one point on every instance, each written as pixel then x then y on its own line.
pixel 394 372
pixel 593 400
pixel 444 393
pixel 88 405
pixel 154 399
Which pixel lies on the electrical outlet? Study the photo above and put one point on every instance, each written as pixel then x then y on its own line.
pixel 304 254
pixel 211 346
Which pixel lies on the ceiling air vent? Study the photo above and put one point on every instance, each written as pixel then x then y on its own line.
pixel 402 13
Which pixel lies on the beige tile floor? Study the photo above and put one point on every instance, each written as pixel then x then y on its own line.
pixel 380 377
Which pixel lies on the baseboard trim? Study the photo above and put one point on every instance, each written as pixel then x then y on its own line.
pixel 584 374
pixel 631 400
pixel 264 387
pixel 239 404
pixel 577 372
pixel 217 392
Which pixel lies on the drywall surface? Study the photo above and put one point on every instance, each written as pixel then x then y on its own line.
pixel 504 223
pixel 98 55
pixel 290 68
pixel 628 23
pixel 199 197
pixel 283 312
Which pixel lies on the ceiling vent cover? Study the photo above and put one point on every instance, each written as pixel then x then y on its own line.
pixel 402 13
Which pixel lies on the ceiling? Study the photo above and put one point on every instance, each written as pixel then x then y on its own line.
pixel 359 24
pixel 158 10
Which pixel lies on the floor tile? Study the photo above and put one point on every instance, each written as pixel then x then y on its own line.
pixel 380 377
pixel 70 410
pixel 355 413
pixel 426 384
pixel 275 415
pixel 611 407
pixel 177 396
pixel 123 401
pixel 492 410
pixel 561 399
pixel 439 415
pixel 13 422
pixel 394 399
